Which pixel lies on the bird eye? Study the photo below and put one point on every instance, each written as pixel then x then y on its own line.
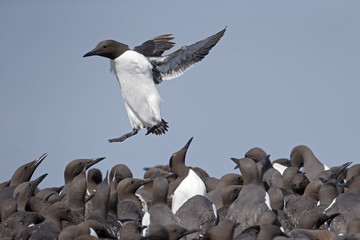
pixel 104 46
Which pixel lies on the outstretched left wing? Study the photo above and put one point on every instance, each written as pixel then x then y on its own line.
pixel 156 47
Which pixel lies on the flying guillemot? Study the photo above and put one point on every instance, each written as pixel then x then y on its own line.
pixel 140 69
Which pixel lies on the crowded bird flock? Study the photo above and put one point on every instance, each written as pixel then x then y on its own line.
pixel 295 197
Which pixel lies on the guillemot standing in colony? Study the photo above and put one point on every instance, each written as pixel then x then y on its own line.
pixel 52 226
pixel 347 204
pixel 117 173
pixel 302 156
pixel 252 199
pixel 159 212
pixel 73 169
pixel 21 175
pixel 130 206
pixel 190 184
pixel 140 69
pixel 25 190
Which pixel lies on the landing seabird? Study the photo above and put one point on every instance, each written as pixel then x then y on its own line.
pixel 140 69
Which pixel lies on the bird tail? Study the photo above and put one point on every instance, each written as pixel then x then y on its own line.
pixel 159 128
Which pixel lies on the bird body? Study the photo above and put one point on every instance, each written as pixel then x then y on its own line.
pixel 197 212
pixel 190 186
pixel 159 212
pixel 252 199
pixel 142 100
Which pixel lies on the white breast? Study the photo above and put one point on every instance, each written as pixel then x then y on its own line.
pixel 145 222
pixel 192 185
pixel 267 200
pixel 280 168
pixel 142 100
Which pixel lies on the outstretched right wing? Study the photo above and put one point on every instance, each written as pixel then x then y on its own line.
pixel 176 63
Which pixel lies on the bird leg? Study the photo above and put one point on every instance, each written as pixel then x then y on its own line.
pixel 125 136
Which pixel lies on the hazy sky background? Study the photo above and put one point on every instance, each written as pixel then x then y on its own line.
pixel 285 73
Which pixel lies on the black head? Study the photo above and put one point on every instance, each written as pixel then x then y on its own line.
pixel 109 49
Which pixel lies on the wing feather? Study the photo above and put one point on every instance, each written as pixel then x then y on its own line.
pixel 156 46
pixel 176 63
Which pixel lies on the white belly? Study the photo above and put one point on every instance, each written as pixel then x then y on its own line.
pixel 142 100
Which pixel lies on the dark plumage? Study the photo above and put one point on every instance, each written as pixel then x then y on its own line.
pixel 159 213
pixel 251 201
pixel 247 206
pixel 347 204
pixel 197 212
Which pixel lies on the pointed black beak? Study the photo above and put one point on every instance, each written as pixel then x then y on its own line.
pixel 88 198
pixel 169 175
pixel 146 181
pixel 190 231
pixel 39 160
pixel 188 143
pixel 91 53
pixel 94 161
pixel 236 161
pixel 48 197
pixel 39 179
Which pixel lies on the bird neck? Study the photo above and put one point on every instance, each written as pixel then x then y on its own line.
pixel 54 221
pixel 181 170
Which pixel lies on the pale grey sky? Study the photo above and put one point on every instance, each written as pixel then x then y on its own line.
pixel 285 73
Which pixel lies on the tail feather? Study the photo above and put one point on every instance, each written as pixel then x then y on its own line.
pixel 159 128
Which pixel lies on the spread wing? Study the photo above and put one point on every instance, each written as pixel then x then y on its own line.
pixel 156 47
pixel 176 63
